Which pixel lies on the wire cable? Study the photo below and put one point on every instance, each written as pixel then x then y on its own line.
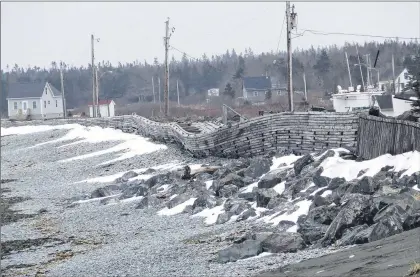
pixel 316 32
pixel 281 32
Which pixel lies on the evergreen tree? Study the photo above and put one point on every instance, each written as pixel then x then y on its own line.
pixel 229 91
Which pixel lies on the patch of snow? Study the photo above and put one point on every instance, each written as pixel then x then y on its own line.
pixel 292 229
pixel 288 160
pixel 96 199
pixel 311 185
pixel 173 196
pixel 131 199
pixel 178 208
pixel 326 193
pixel 416 187
pixel 302 210
pixel 250 187
pixel 163 188
pixel 279 188
pixel 261 255
pixel 348 169
pixel 210 214
pixel 209 184
pixel 314 192
pixel 132 145
pixel 23 130
pixel 351 256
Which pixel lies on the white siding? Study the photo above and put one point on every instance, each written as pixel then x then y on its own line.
pixel 31 110
pixel 51 106
pixel 112 109
pixel 401 106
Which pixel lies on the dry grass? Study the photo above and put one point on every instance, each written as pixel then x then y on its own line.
pixel 414 270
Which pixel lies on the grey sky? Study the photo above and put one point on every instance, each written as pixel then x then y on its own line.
pixel 38 33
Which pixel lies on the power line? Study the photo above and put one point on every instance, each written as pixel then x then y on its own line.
pixel 281 32
pixel 316 32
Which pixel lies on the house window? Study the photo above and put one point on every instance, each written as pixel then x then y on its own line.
pixel 15 105
pixel 45 104
pixel 56 103
pixel 34 104
pixel 255 93
pixel 48 102
pixel 45 90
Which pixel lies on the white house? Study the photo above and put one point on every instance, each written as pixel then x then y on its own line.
pixel 106 108
pixel 401 81
pixel 34 101
pixel 395 105
pixel 213 92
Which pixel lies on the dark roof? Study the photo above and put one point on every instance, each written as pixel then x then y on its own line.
pixel 55 91
pixel 260 82
pixel 29 90
pixel 384 101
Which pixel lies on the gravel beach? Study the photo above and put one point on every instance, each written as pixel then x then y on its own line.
pixel 58 238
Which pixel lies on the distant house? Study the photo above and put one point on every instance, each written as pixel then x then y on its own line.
pixel 213 92
pixel 401 81
pixel 34 101
pixel 256 88
pixel 106 108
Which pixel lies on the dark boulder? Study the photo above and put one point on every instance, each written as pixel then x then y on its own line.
pixel 179 199
pixel 272 179
pixel 284 225
pixel 264 196
pixel 386 227
pixel 323 215
pixel 249 196
pixel 222 172
pixel 227 191
pixel 223 218
pixel 323 156
pixel 276 201
pixel 335 183
pixel 366 185
pixel 239 207
pixel 320 181
pixel 355 235
pixel 283 243
pixel 247 214
pixel 237 251
pixel 203 176
pixel 134 189
pixel 258 167
pixel 302 162
pixel 311 231
pixel 160 179
pixel 205 201
pixel 230 179
pixel 105 191
pixel 126 176
pixel 357 209
pixel 143 203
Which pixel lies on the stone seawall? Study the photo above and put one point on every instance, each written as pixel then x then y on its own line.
pixel 300 132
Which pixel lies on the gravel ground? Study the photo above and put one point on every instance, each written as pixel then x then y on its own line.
pixel 91 239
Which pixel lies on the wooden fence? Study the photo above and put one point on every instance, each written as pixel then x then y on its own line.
pixel 378 136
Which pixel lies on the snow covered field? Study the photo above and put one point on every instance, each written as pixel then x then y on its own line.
pixel 57 167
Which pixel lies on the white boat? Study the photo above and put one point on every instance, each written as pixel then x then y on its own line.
pixel 350 100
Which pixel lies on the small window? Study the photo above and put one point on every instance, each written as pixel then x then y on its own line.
pixel 45 104
pixel 15 105
pixel 255 93
pixel 46 90
pixel 56 103
pixel 34 105
pixel 48 102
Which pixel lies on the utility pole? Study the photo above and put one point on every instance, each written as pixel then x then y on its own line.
pixel 367 70
pixel 166 40
pixel 290 16
pixel 304 84
pixel 370 70
pixel 93 76
pixel 348 69
pixel 98 110
pixel 393 74
pixel 177 91
pixel 160 102
pixel 153 90
pixel 360 67
pixel 62 91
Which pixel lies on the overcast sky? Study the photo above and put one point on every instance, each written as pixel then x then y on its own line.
pixel 38 33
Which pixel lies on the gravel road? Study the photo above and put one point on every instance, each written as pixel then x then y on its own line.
pixel 92 239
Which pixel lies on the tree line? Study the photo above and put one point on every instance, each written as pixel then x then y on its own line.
pixel 324 68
